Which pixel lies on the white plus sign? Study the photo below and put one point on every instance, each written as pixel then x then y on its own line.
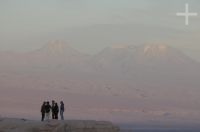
pixel 186 14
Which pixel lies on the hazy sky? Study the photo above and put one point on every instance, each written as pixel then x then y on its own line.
pixel 29 24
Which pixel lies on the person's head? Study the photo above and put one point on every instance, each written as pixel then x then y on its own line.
pixel 53 101
pixel 61 102
pixel 56 104
pixel 44 103
pixel 48 102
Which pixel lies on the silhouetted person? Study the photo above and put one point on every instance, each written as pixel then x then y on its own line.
pixel 52 106
pixel 62 109
pixel 43 111
pixel 47 110
pixel 56 110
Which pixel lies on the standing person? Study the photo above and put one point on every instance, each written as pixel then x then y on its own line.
pixel 56 111
pixel 47 110
pixel 52 106
pixel 62 109
pixel 43 111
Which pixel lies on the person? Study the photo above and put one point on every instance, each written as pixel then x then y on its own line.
pixel 43 111
pixel 62 109
pixel 56 111
pixel 47 110
pixel 53 105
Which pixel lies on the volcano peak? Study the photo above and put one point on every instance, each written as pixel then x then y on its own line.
pixel 156 49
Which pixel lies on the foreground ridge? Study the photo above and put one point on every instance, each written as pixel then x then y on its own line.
pixel 23 125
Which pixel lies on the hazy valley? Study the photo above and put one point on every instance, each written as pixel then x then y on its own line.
pixel 124 84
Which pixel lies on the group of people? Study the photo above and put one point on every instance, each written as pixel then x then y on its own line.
pixel 54 109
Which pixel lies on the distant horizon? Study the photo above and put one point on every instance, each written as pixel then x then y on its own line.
pixel 98 51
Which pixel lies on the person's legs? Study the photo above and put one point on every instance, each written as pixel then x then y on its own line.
pixel 56 116
pixel 43 115
pixel 61 115
pixel 47 116
pixel 53 115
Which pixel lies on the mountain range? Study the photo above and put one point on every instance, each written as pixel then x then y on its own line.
pixel 122 58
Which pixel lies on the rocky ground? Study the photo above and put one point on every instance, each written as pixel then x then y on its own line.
pixel 23 125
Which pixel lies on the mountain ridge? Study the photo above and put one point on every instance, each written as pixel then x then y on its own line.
pixel 116 58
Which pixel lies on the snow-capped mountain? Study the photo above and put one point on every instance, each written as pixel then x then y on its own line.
pixel 143 58
pixel 117 59
pixel 58 48
pixel 58 52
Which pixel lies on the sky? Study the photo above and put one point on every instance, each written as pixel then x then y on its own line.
pixel 28 24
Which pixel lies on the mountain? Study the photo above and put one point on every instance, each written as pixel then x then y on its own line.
pixel 55 55
pixel 143 58
pixel 58 52
pixel 58 48
pixel 121 59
